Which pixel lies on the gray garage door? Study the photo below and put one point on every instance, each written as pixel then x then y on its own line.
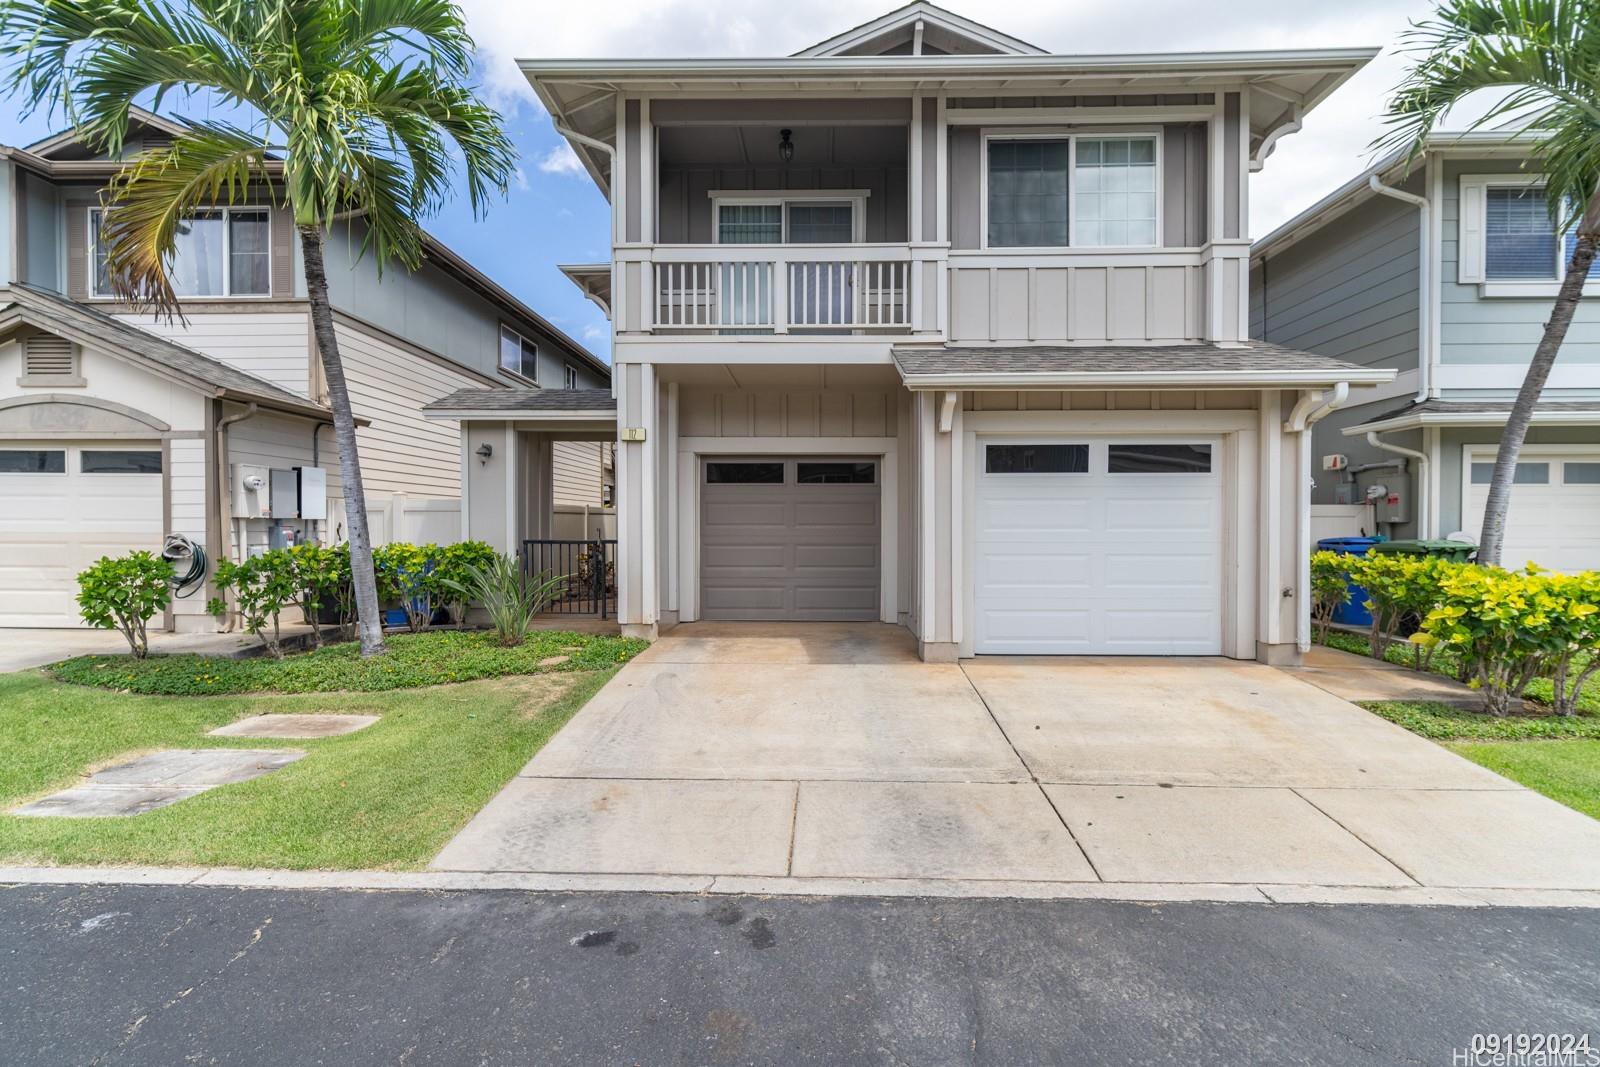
pixel 789 539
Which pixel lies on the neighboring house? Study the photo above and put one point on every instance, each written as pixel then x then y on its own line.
pixel 929 326
pixel 1443 268
pixel 118 428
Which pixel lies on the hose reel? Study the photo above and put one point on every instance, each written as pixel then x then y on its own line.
pixel 188 564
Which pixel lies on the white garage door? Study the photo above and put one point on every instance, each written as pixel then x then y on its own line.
pixel 65 506
pixel 1555 507
pixel 1098 546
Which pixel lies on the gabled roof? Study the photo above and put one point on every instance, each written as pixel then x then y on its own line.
pixel 1254 364
pixel 60 145
pixel 940 32
pixel 554 405
pixel 22 304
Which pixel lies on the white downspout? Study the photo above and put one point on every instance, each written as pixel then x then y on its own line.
pixel 1424 281
pixel 227 525
pixel 1423 502
pixel 1310 410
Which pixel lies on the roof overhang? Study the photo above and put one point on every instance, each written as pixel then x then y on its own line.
pixel 1283 86
pixel 1411 420
pixel 594 279
pixel 1254 379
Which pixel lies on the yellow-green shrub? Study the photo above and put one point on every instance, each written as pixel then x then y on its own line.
pixel 1399 588
pixel 1330 588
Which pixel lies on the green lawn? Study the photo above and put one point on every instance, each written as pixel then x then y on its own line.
pixel 1568 771
pixel 387 796
pixel 433 658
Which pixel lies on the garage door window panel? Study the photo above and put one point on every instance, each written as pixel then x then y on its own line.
pixel 836 473
pixel 1036 459
pixel 32 461
pixel 1581 473
pixel 119 461
pixel 1158 459
pixel 1527 474
pixel 744 473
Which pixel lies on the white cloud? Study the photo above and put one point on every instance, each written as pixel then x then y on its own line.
pixel 561 160
pixel 519 178
pixel 593 334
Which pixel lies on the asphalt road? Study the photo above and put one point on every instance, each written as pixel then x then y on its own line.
pixel 170 976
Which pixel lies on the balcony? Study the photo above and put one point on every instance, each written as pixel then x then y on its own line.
pixel 780 289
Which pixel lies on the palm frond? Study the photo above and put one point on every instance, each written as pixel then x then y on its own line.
pixel 211 163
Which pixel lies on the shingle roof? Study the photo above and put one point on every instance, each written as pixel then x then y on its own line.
pixel 94 328
pixel 536 400
pixel 1250 361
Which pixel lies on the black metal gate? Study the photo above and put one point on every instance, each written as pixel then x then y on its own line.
pixel 590 570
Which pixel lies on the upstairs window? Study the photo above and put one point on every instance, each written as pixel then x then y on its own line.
pixel 518 355
pixel 222 252
pixel 1090 192
pixel 569 377
pixel 1510 238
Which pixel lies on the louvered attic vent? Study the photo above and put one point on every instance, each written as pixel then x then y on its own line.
pixel 46 356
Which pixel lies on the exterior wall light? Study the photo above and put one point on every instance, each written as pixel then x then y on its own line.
pixel 786 146
pixel 485 450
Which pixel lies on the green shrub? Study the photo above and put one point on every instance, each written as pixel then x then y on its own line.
pixel 407 574
pixel 319 581
pixel 452 574
pixel 1330 589
pixel 1401 591
pixel 262 586
pixel 511 595
pixel 1514 627
pixel 124 594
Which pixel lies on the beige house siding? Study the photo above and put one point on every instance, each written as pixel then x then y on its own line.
pixel 787 413
pixel 402 452
pixel 269 344
pixel 578 472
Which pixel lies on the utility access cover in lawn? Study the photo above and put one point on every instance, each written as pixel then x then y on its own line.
pixel 159 779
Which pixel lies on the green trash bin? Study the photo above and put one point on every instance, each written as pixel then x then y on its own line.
pixel 1454 551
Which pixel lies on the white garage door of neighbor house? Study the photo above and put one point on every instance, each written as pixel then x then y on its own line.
pixel 1554 519
pixel 1099 546
pixel 63 506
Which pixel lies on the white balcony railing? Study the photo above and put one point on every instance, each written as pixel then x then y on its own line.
pixel 781 288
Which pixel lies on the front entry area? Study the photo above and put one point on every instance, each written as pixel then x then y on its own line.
pixel 1098 546
pixel 790 539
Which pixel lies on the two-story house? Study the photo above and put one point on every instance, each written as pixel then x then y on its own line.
pixel 927 325
pixel 1443 268
pixel 118 429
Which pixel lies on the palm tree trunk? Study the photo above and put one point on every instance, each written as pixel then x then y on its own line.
pixel 362 576
pixel 1492 540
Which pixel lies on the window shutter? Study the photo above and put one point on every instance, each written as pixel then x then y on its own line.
pixel 282 253
pixel 1469 249
pixel 48 356
pixel 78 251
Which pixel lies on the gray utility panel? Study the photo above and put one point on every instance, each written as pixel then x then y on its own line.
pixel 788 538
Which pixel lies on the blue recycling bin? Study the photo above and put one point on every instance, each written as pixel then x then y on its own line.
pixel 1354 611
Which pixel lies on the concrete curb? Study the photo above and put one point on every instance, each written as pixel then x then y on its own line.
pixel 467 881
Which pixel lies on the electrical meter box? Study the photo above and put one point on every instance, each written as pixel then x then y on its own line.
pixel 1394 503
pixel 252 498
pixel 285 494
pixel 313 482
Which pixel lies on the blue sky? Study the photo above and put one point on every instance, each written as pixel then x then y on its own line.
pixel 553 213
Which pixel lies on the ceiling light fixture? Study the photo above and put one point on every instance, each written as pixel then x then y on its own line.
pixel 786 146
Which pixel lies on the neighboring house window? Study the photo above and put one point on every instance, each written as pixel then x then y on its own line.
pixel 518 355
pixel 222 252
pixel 1092 192
pixel 1519 239
pixel 569 377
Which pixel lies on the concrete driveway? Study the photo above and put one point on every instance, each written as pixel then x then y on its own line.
pixel 780 756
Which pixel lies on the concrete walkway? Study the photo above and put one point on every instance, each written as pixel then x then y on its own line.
pixel 781 757
pixel 23 649
pixel 1360 678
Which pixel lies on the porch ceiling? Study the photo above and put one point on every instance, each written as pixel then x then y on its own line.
pixel 780 375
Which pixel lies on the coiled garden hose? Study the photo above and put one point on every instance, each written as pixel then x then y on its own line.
pixel 185 581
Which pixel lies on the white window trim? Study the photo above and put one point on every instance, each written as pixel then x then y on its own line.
pixel 1472 247
pixel 1071 136
pixel 856 198
pixel 91 271
pixel 569 376
pixel 524 340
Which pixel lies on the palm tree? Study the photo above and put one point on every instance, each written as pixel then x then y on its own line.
pixel 365 109
pixel 1542 55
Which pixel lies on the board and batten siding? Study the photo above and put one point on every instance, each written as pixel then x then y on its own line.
pixel 269 344
pixel 1348 291
pixel 779 413
pixel 1478 329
